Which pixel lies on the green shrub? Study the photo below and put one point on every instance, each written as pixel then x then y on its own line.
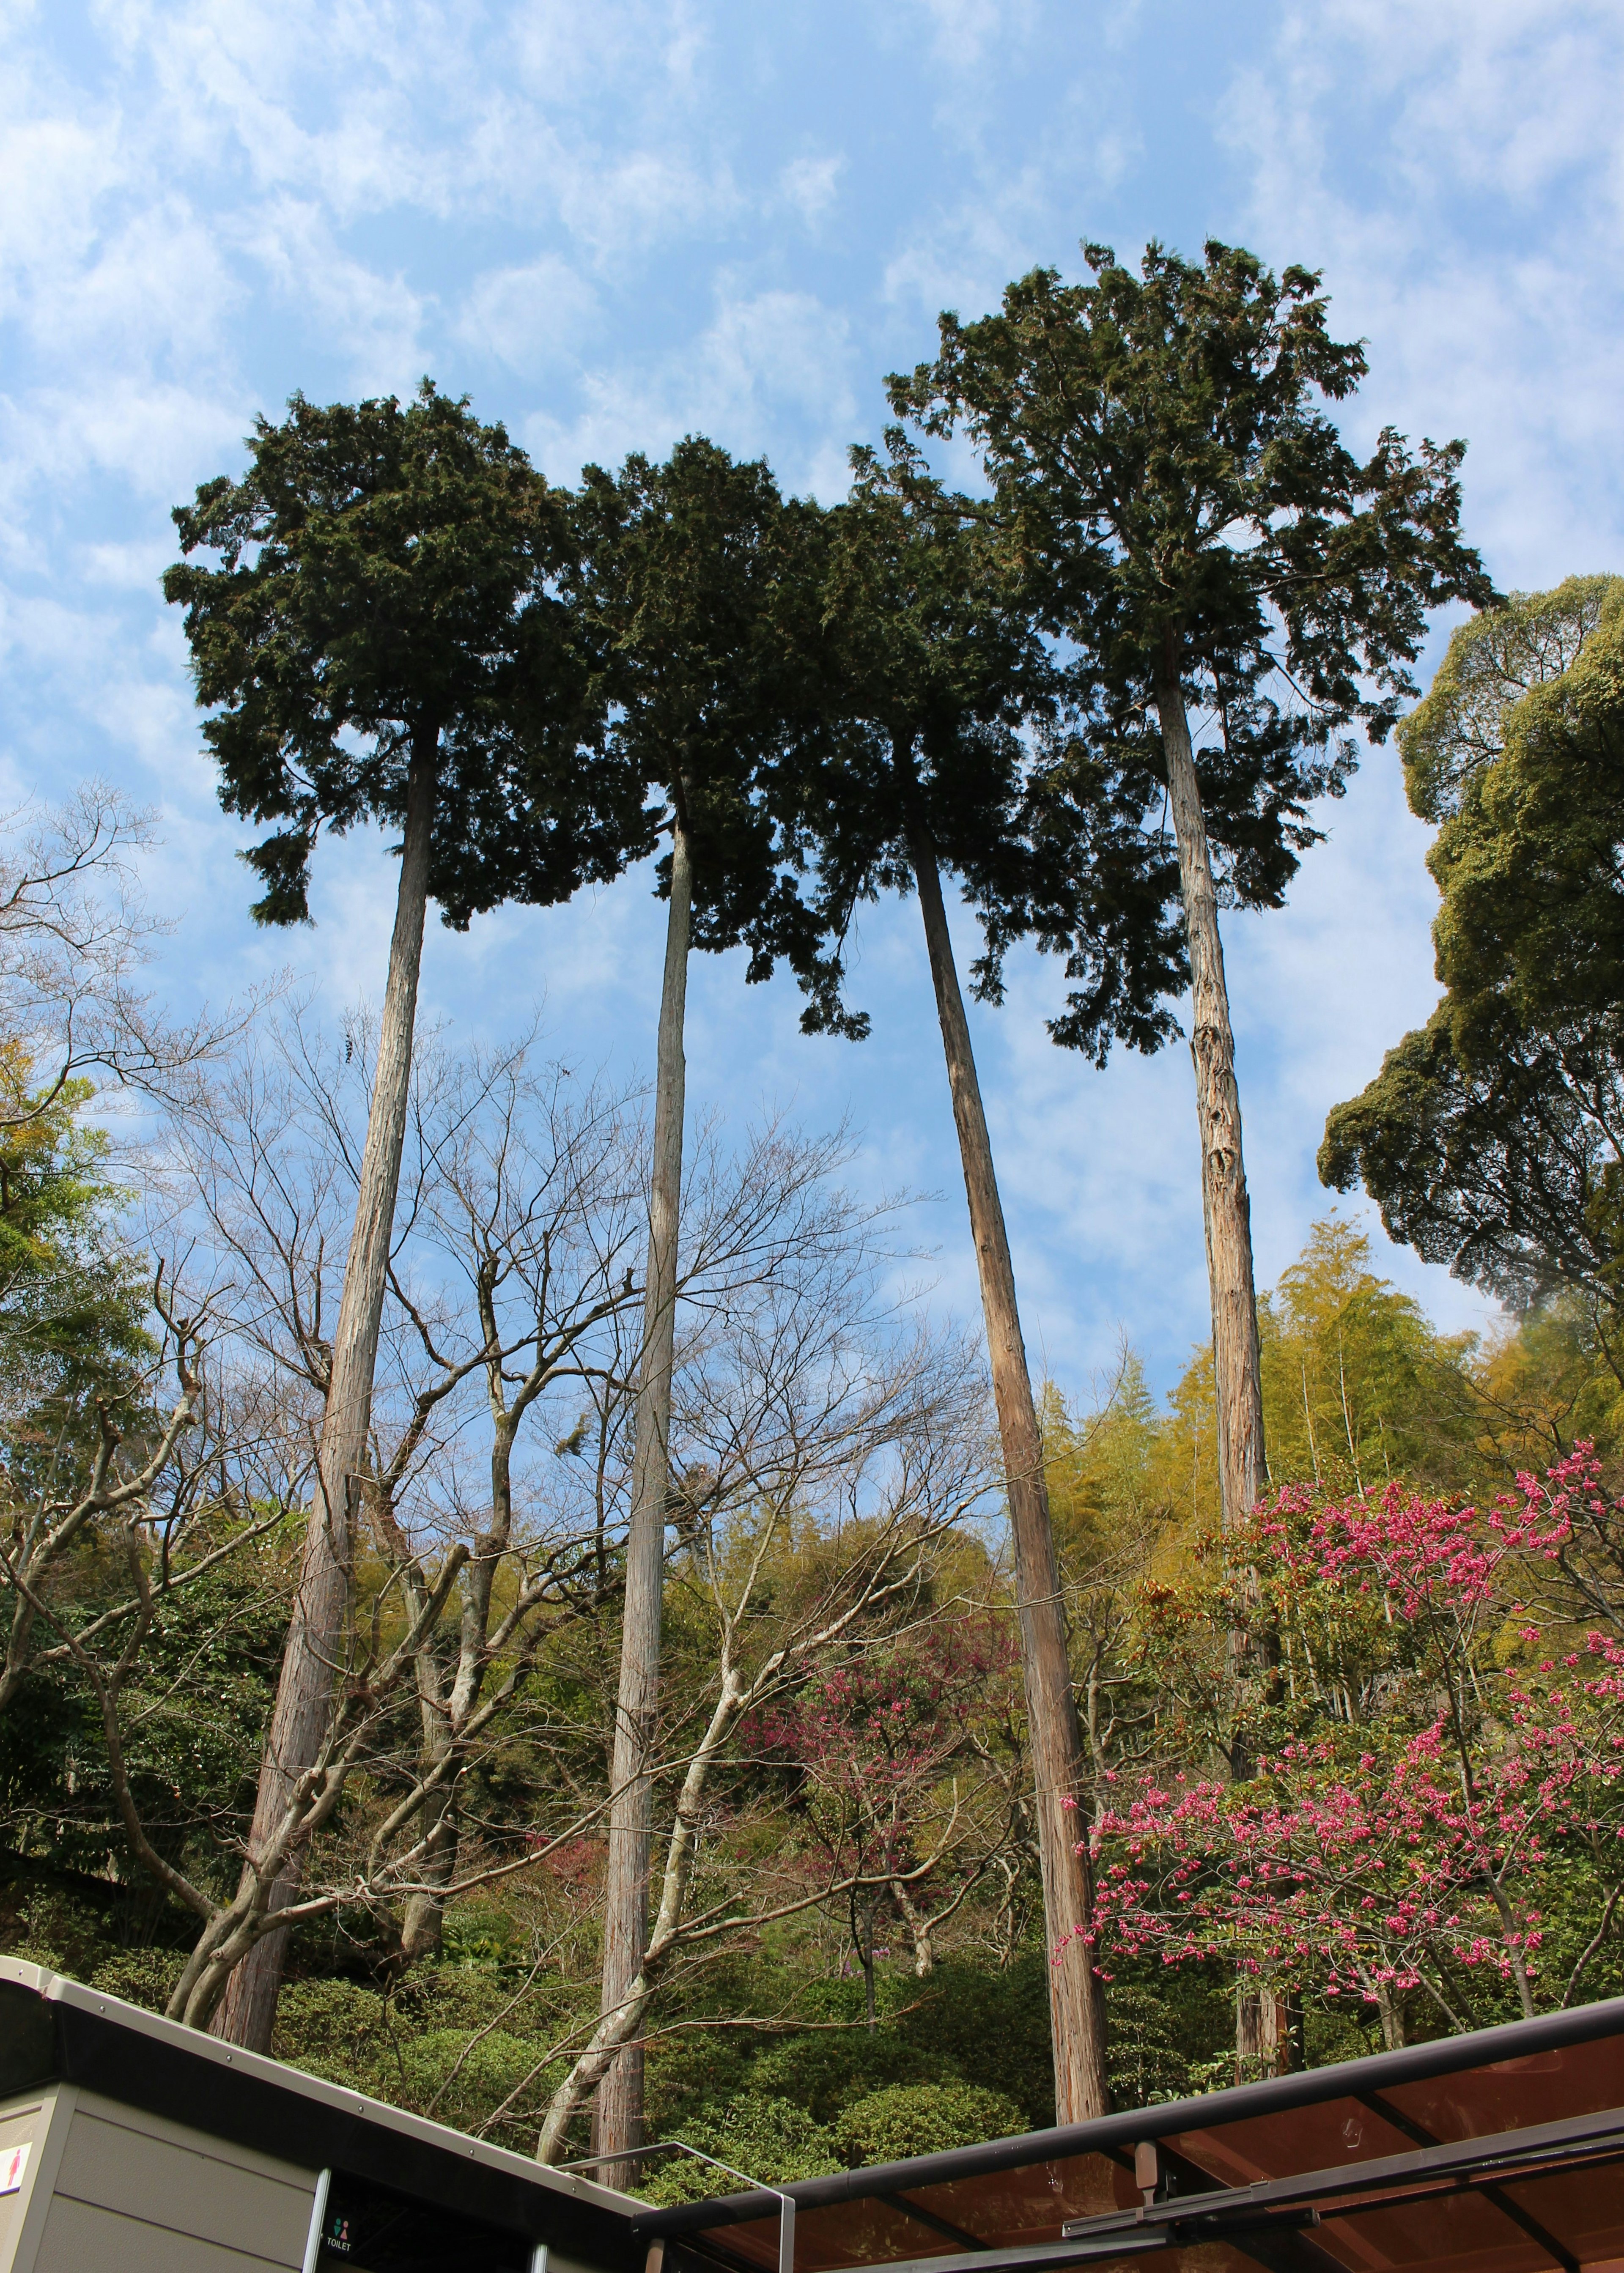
pixel 825 2071
pixel 696 2072
pixel 769 2140
pixel 990 2027
pixel 141 1976
pixel 923 2118
pixel 430 2080
pixel 1170 2036
pixel 61 1931
pixel 334 2029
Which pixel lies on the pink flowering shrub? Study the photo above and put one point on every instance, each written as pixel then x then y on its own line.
pixel 871 1744
pixel 1423 1754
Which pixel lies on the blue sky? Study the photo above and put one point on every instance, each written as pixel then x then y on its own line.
pixel 613 222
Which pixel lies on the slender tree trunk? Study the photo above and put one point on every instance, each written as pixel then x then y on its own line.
pixel 423 1924
pixel 1226 1212
pixel 616 2029
pixel 618 2122
pixel 1264 2042
pixel 315 1637
pixel 1390 2008
pixel 1076 2009
pixel 920 1929
pixel 1224 1203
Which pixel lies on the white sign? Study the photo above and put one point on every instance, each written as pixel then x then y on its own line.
pixel 13 2163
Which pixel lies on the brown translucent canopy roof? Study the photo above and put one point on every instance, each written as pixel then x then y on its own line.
pixel 1502 2152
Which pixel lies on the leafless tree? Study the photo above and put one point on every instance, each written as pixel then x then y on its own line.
pixel 822 1455
pixel 509 1269
pixel 495 1487
pixel 75 938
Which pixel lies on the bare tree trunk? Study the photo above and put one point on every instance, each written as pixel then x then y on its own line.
pixel 315 1637
pixel 618 2120
pixel 1226 1212
pixel 1263 2034
pixel 615 2029
pixel 921 1931
pixel 1076 2009
pixel 1224 1203
pixel 423 1924
pixel 1390 2008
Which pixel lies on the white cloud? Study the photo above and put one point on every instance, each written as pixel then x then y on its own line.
pixel 132 566
pixel 322 97
pixel 568 55
pixel 782 347
pixel 156 289
pixel 761 354
pixel 1009 218
pixel 533 319
pixel 811 185
pixel 1508 94
pixel 590 118
pixel 618 206
pixel 964 31
pixel 53 169
pixel 1472 233
pixel 372 322
pixel 156 439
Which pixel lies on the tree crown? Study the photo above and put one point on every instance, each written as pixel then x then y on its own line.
pixel 1489 1137
pixel 928 665
pixel 934 676
pixel 1492 661
pixel 1185 514
pixel 1157 447
pixel 384 587
pixel 694 581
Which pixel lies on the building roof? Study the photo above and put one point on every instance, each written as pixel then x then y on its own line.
pixel 56 2030
pixel 1498 2152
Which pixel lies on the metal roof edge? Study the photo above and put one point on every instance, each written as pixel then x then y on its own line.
pixel 103 2011
pixel 1344 2079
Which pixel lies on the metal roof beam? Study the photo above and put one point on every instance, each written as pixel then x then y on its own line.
pixel 1396 2117
pixel 945 2227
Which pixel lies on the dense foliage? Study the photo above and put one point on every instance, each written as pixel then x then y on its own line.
pixel 1186 514
pixel 384 585
pixel 1490 1138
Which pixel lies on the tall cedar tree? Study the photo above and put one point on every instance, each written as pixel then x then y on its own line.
pixel 932 663
pixel 688 593
pixel 380 641
pixel 1491 1138
pixel 1193 525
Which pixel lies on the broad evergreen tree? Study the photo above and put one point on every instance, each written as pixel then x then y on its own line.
pixel 1195 529
pixel 1492 1139
pixel 379 641
pixel 693 577
pixel 932 666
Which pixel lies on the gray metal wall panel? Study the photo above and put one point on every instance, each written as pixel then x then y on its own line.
pixel 203 2191
pixel 81 2238
pixel 195 2140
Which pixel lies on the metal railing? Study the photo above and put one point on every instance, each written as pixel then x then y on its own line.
pixel 786 2202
